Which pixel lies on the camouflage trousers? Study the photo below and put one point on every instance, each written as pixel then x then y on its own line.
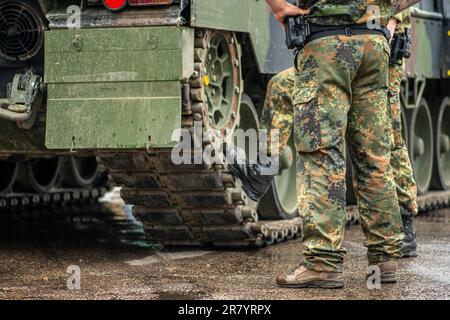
pixel 400 160
pixel 278 114
pixel 278 110
pixel 340 89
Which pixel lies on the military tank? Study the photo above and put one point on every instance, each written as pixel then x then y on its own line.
pixel 126 82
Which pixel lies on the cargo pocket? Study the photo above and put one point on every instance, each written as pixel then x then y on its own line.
pixel 307 119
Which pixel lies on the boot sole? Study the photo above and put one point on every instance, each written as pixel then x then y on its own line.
pixel 410 255
pixel 388 277
pixel 322 284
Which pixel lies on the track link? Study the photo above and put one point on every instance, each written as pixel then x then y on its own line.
pixel 25 215
pixel 192 205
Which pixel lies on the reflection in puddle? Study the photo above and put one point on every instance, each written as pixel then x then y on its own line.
pixel 167 256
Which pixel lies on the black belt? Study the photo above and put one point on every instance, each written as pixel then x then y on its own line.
pixel 318 32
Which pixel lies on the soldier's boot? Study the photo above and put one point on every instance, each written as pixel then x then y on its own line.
pixel 388 271
pixel 256 178
pixel 304 278
pixel 409 247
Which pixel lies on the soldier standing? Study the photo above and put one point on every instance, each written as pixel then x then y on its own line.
pixel 342 86
pixel 278 114
pixel 400 160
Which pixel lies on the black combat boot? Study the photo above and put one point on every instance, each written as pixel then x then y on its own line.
pixel 256 178
pixel 409 248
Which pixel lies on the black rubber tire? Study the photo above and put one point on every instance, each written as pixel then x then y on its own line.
pixel 79 171
pixel 8 175
pixel 420 129
pixel 439 109
pixel 38 175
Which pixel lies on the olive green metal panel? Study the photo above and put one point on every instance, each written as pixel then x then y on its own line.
pixel 229 15
pixel 425 60
pixel 123 54
pixel 110 123
pixel 247 16
pixel 115 88
pixel 268 40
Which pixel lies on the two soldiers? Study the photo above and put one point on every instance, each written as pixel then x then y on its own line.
pixel 278 114
pixel 339 94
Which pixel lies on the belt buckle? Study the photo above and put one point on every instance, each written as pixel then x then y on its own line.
pixel 348 32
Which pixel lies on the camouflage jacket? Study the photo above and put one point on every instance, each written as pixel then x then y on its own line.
pixel 403 21
pixel 344 12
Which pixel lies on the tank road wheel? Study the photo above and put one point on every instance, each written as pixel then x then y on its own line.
pixel 79 171
pixel 441 122
pixel 280 202
pixel 218 60
pixel 421 145
pixel 39 175
pixel 8 174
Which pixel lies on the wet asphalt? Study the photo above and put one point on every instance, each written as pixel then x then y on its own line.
pixel 31 270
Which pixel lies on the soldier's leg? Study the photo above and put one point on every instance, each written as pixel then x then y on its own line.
pixel 321 102
pixel 401 165
pixel 369 143
pixel 278 111
pixel 328 70
pixel 277 114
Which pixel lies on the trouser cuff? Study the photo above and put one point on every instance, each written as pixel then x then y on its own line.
pixel 377 258
pixel 321 266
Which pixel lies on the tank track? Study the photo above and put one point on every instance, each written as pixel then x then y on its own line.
pixel 23 215
pixel 193 205
pixel 58 197
pixel 66 214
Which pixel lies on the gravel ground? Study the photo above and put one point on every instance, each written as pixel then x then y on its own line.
pixel 38 271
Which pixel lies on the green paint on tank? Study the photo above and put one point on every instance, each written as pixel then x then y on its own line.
pixel 119 65
pixel 115 88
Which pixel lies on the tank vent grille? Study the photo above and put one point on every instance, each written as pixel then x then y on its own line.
pixel 21 31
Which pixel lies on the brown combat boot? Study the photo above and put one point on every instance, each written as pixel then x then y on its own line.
pixel 388 271
pixel 304 278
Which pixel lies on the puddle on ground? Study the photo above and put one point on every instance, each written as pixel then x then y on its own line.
pixel 167 256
